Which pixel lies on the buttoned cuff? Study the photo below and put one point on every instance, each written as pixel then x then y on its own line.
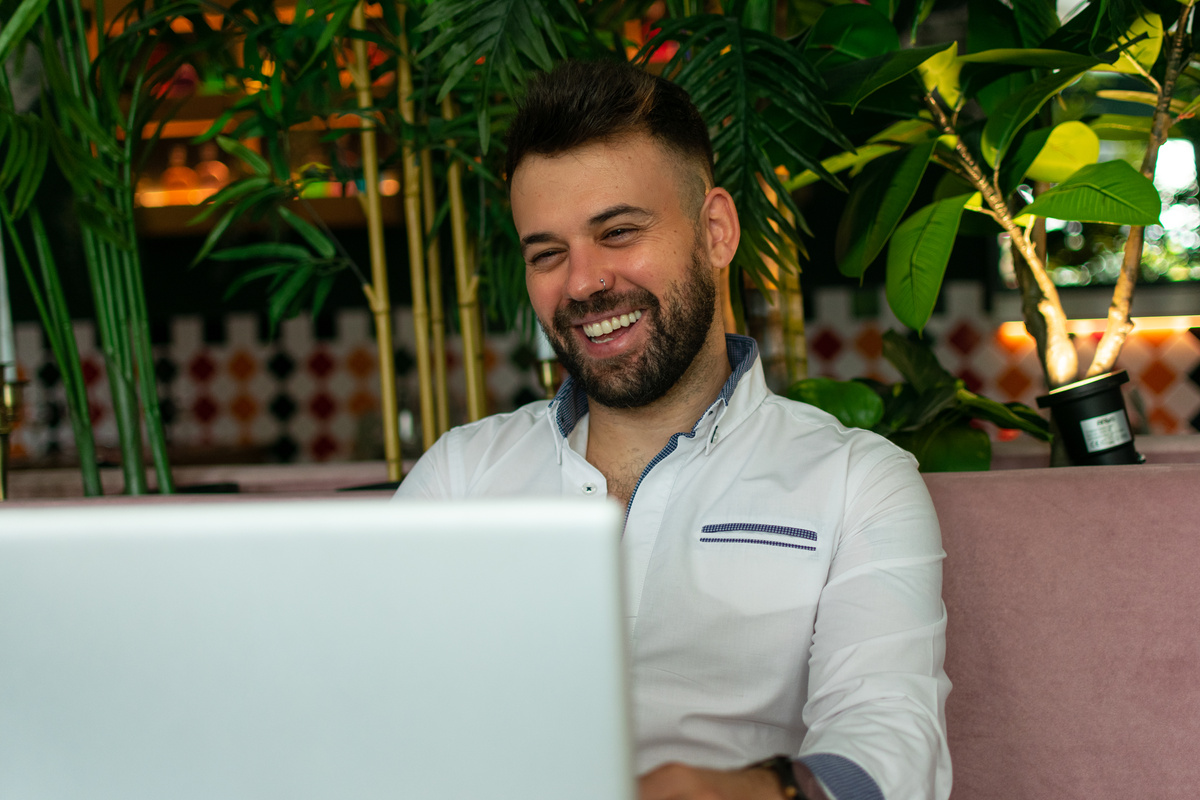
pixel 844 779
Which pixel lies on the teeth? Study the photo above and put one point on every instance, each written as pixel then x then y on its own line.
pixel 607 326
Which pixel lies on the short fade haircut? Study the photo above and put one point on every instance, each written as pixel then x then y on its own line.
pixel 581 102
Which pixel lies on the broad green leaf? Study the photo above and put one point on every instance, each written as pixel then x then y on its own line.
pixel 948 445
pixel 941 73
pixel 876 204
pixel 280 250
pixel 850 32
pixel 915 361
pixel 853 83
pixel 1141 45
pixel 1071 145
pixel 1021 157
pixel 909 131
pixel 1032 57
pixel 854 404
pixel 316 240
pixel 1177 107
pixel 1111 192
pixel 1123 127
pixel 1011 115
pixel 917 258
pixel 1036 20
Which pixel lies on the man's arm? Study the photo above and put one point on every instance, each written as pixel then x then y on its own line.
pixel 681 782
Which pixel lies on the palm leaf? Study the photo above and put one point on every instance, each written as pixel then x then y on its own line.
pixel 506 37
pixel 732 73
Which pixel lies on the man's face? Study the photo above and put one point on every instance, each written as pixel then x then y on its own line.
pixel 613 212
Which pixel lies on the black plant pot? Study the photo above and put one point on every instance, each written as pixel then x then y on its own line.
pixel 1091 419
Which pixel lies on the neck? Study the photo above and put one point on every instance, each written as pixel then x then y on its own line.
pixel 646 430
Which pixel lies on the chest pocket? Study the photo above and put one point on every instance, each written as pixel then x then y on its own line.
pixel 759 567
pixel 759 533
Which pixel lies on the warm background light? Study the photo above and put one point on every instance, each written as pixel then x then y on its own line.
pixel 1014 332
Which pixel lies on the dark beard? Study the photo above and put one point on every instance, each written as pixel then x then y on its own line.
pixel 633 380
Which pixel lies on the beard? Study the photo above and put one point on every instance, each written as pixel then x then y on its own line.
pixel 636 379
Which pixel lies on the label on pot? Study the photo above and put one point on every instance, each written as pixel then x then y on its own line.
pixel 1106 431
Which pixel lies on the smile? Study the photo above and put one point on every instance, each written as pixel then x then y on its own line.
pixel 605 327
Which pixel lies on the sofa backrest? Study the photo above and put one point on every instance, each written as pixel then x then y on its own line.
pixel 1073 639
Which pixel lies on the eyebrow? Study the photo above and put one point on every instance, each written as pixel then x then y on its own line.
pixel 596 219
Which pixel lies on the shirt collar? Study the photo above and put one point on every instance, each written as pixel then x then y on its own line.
pixel 571 403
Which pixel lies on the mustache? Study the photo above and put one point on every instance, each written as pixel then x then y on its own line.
pixel 566 316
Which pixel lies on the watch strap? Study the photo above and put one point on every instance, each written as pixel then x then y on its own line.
pixel 781 766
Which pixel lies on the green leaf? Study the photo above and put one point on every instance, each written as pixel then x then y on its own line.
pixel 853 83
pixel 1140 45
pixel 951 445
pixel 876 204
pixel 1111 192
pixel 1070 146
pixel 316 240
pixel 1012 114
pixel 1033 57
pixel 842 161
pixel 264 250
pixel 915 361
pixel 1014 416
pixel 22 20
pixel 1036 20
pixel 252 159
pixel 854 404
pixel 1125 127
pixel 917 258
pixel 283 298
pixel 850 32
pixel 231 192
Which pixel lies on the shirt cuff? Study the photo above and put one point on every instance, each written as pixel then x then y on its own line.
pixel 844 779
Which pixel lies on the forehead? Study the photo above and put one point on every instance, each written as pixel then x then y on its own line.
pixel 565 188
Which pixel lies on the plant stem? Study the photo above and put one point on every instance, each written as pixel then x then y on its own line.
pixel 1119 324
pixel 1044 316
pixel 416 244
pixel 437 308
pixel 378 296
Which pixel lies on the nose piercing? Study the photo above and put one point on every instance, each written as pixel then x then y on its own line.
pixel 602 282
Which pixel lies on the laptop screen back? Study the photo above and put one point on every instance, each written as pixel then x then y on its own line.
pixel 313 650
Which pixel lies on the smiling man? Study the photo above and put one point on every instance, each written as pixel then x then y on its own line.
pixel 783 572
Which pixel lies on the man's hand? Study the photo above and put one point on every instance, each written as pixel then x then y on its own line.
pixel 681 782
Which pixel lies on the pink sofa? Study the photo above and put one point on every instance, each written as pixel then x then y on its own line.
pixel 1074 631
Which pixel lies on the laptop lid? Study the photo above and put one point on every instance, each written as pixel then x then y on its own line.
pixel 313 650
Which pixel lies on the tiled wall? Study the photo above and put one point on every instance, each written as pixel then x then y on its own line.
pixel 231 392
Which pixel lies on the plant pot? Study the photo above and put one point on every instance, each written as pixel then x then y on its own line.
pixel 1091 419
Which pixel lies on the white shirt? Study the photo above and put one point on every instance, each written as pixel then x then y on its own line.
pixel 784 581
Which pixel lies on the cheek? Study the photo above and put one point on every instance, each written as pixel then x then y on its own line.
pixel 543 294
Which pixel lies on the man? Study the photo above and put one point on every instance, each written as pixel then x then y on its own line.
pixel 784 573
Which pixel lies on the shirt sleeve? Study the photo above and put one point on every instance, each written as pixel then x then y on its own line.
pixel 430 478
pixel 877 688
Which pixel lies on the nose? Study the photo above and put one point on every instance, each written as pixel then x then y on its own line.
pixel 589 273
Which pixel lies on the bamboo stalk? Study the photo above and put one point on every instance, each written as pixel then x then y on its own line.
pixel 437 309
pixel 57 323
pixel 466 283
pixel 416 251
pixel 1118 326
pixel 377 292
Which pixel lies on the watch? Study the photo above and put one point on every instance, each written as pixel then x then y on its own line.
pixel 785 773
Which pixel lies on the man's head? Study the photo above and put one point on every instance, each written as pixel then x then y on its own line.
pixel 582 102
pixel 622 235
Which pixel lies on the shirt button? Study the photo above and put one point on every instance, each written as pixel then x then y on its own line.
pixel 589 488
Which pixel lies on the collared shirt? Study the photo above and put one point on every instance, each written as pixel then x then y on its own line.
pixel 783 581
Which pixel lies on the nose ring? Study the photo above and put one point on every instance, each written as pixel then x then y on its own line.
pixel 602 282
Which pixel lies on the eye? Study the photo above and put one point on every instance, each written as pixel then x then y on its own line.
pixel 544 258
pixel 619 234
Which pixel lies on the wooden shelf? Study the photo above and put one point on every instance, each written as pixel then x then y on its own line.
pixel 336 212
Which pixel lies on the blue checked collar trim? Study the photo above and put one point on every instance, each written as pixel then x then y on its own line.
pixel 571 403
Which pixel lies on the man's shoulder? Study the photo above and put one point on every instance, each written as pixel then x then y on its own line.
pixel 505 425
pixel 795 423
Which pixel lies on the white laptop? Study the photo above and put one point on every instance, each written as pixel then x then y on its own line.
pixel 286 651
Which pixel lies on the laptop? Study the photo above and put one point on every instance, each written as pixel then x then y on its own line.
pixel 313 649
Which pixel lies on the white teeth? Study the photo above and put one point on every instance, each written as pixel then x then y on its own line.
pixel 607 326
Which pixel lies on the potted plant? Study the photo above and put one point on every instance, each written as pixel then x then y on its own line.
pixel 982 119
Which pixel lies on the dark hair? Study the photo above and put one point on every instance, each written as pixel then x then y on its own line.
pixel 580 102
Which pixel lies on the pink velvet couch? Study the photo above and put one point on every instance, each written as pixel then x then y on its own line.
pixel 1073 639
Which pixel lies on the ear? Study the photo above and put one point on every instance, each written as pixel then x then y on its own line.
pixel 722 231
